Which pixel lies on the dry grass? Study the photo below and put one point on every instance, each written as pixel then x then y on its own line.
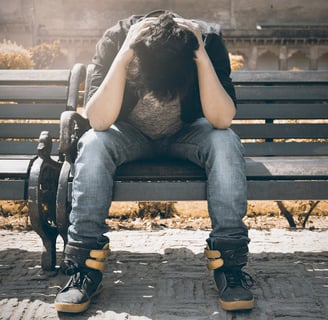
pixel 186 215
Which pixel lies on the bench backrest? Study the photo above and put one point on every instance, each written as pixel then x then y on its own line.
pixel 31 101
pixel 282 112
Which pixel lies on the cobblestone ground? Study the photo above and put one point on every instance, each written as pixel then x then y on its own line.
pixel 163 275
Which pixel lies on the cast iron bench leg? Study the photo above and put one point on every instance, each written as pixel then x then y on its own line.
pixel 43 184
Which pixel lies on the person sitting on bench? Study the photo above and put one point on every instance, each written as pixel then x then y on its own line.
pixel 161 88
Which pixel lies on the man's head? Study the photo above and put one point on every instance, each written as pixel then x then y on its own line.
pixel 164 59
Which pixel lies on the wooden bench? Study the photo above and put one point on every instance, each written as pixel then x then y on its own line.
pixel 32 101
pixel 282 120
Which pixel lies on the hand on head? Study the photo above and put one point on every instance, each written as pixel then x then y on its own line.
pixel 138 30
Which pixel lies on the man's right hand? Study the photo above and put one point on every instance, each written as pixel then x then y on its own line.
pixel 105 105
pixel 135 32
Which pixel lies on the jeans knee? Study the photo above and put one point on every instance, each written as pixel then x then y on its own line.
pixel 225 142
pixel 95 147
pixel 91 140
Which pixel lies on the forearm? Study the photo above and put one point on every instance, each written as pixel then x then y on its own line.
pixel 104 106
pixel 217 105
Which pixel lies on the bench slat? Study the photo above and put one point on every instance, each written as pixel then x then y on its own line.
pixel 18 156
pixel 287 190
pixel 155 191
pixel 163 169
pixel 271 76
pixel 294 93
pixel 23 147
pixel 196 190
pixel 286 149
pixel 282 111
pixel 32 111
pixel 39 93
pixel 28 130
pixel 34 76
pixel 292 130
pixel 12 190
pixel 256 167
pixel 287 167
pixel 14 167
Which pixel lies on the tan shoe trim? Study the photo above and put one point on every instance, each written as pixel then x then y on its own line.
pixel 237 305
pixel 100 254
pixel 215 264
pixel 212 254
pixel 96 264
pixel 72 308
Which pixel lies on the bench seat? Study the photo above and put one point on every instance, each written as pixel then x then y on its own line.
pixel 269 178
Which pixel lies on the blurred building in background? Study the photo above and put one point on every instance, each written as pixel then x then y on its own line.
pixel 269 34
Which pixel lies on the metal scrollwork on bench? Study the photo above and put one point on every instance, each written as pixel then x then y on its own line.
pixel 42 199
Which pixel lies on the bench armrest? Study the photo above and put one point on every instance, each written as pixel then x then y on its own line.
pixel 77 77
pixel 72 127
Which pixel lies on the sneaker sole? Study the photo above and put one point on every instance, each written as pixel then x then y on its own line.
pixel 236 305
pixel 77 308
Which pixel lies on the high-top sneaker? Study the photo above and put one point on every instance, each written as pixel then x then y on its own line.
pixel 85 267
pixel 227 259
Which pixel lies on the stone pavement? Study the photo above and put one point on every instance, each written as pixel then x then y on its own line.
pixel 163 275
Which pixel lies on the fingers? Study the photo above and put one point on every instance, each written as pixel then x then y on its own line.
pixel 191 26
pixel 138 29
pixel 188 24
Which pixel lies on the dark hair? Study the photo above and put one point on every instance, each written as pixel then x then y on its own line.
pixel 164 59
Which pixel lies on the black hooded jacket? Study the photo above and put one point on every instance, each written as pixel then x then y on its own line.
pixel 112 40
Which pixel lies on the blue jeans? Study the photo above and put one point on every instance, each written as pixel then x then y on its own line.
pixel 220 152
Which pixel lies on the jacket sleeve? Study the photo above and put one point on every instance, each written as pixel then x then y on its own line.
pixel 106 50
pixel 219 56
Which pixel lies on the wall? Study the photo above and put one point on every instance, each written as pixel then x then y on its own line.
pixel 251 27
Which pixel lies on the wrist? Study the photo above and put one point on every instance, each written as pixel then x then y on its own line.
pixel 202 59
pixel 124 57
pixel 201 55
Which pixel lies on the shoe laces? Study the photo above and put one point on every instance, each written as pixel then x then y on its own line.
pixel 70 268
pixel 236 278
pixel 77 280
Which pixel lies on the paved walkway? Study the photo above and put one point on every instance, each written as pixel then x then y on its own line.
pixel 162 275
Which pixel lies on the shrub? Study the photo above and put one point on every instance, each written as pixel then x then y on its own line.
pixel 156 209
pixel 45 54
pixel 236 61
pixel 13 56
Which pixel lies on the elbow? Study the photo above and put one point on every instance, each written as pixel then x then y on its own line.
pixel 97 124
pixel 100 118
pixel 222 124
pixel 221 116
pixel 99 127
